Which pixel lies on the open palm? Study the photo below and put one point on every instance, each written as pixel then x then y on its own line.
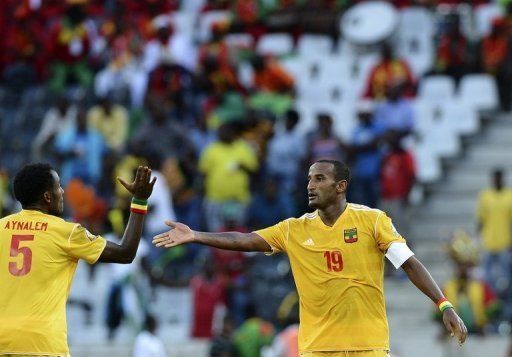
pixel 142 185
pixel 178 234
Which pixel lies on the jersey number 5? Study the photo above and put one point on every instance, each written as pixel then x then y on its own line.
pixel 334 260
pixel 25 251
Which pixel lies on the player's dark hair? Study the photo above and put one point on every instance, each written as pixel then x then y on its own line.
pixel 31 182
pixel 340 169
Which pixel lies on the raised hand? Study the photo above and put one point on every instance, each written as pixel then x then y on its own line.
pixel 454 325
pixel 141 187
pixel 178 234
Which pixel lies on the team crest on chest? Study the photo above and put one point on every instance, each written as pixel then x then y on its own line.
pixel 350 235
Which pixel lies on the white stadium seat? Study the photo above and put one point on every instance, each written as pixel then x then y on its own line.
pixel 461 116
pixel 437 89
pixel 479 90
pixel 484 14
pixel 240 40
pixel 427 164
pixel 314 45
pixel 277 44
pixel 417 20
pixel 442 139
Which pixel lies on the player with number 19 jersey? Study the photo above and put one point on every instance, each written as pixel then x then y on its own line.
pixel 38 257
pixel 339 273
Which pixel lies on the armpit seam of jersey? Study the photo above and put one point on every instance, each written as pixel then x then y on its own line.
pixel 375 227
pixel 71 233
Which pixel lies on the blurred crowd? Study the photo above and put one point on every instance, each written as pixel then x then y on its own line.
pixel 124 86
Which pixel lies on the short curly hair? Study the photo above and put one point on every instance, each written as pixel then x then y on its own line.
pixel 31 182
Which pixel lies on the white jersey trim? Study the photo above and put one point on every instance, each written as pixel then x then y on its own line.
pixel 398 253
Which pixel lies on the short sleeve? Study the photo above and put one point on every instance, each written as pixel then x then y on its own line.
pixel 386 233
pixel 276 236
pixel 82 244
pixel 480 208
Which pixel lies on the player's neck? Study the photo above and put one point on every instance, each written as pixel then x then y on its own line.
pixel 36 208
pixel 331 214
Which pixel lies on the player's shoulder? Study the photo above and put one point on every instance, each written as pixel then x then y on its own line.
pixel 305 217
pixel 61 225
pixel 8 218
pixel 364 213
pixel 359 209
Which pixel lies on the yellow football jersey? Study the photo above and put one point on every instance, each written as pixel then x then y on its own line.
pixel 494 211
pixel 38 257
pixel 339 273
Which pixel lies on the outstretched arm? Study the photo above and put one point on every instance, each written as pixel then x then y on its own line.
pixel 125 252
pixel 181 234
pixel 420 277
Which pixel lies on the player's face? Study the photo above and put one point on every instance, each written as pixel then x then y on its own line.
pixel 323 189
pixel 57 196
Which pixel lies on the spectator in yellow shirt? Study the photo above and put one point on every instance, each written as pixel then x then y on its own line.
pixel 494 215
pixel 226 165
pixel 111 121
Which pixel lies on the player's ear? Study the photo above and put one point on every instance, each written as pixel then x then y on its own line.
pixel 47 197
pixel 341 186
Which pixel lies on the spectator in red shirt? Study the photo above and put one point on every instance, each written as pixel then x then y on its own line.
pixel 452 51
pixel 208 296
pixel 495 53
pixel 397 178
pixel 69 48
pixel 389 70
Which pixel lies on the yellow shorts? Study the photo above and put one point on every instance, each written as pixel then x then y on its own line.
pixel 372 353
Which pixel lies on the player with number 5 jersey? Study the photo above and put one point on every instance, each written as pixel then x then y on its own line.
pixel 337 255
pixel 39 253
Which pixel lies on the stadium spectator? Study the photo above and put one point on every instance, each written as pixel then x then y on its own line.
pixel 453 51
pixel 494 218
pixel 208 299
pixel 270 76
pixel 36 303
pixel 389 70
pixel 128 291
pixel 320 307
pixel 222 343
pixel 286 152
pixel 398 175
pixel 22 48
pixel 323 142
pixel 123 70
pixel 253 334
pixel 147 343
pixel 111 121
pixel 227 165
pixel 159 134
pixel 169 46
pixel 269 207
pixel 495 53
pixel 56 120
pixel 80 150
pixel 217 48
pixel 396 113
pixel 367 157
pixel 68 49
pixel 286 342
pixel 473 297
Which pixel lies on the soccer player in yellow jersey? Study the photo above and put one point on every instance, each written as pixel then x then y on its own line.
pixel 39 253
pixel 337 259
